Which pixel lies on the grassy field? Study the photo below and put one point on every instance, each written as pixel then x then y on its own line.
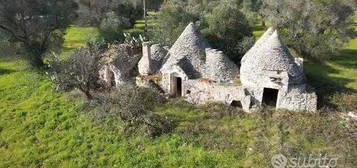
pixel 341 70
pixel 42 128
pixel 139 25
pixel 77 37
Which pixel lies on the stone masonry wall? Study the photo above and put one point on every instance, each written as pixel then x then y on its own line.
pixel 297 98
pixel 201 91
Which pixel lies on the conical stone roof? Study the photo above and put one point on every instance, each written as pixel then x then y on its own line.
pixel 269 54
pixel 251 54
pixel 276 56
pixel 188 52
pixel 219 67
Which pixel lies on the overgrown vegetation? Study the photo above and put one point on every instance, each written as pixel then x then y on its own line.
pixel 135 107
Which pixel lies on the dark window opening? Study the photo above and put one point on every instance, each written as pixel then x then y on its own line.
pixel 236 104
pixel 112 79
pixel 178 87
pixel 251 104
pixel 188 91
pixel 270 96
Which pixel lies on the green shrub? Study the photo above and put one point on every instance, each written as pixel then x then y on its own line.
pixel 219 110
pixel 135 107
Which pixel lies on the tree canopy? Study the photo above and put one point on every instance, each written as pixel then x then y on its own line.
pixel 315 29
pixel 222 23
pixel 32 22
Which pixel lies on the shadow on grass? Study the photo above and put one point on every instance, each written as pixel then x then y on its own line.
pixel 348 59
pixel 5 71
pixel 318 76
pixel 11 53
pixel 68 49
pixel 259 28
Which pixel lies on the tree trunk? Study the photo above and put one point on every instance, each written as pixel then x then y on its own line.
pixel 35 55
pixel 88 95
pixel 37 62
pixel 145 18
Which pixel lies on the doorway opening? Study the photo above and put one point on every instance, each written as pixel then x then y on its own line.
pixel 111 78
pixel 176 87
pixel 270 97
pixel 236 104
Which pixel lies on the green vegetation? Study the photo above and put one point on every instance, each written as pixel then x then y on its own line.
pixel 340 71
pixel 310 29
pixel 139 25
pixel 77 37
pixel 39 28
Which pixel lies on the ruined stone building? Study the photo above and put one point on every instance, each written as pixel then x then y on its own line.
pixel 193 70
pixel 119 65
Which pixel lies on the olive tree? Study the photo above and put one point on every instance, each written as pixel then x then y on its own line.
pixel 112 26
pixel 221 22
pixel 171 21
pixel 94 11
pixel 315 29
pixel 32 22
pixel 229 30
pixel 80 71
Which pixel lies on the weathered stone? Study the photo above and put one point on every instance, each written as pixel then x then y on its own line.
pixel 188 52
pixel 158 56
pixel 218 67
pixel 119 64
pixel 268 74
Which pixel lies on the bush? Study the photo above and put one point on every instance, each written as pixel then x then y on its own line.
pixel 135 107
pixel 218 110
pixel 112 26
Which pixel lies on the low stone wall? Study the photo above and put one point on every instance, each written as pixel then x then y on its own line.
pixel 203 91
